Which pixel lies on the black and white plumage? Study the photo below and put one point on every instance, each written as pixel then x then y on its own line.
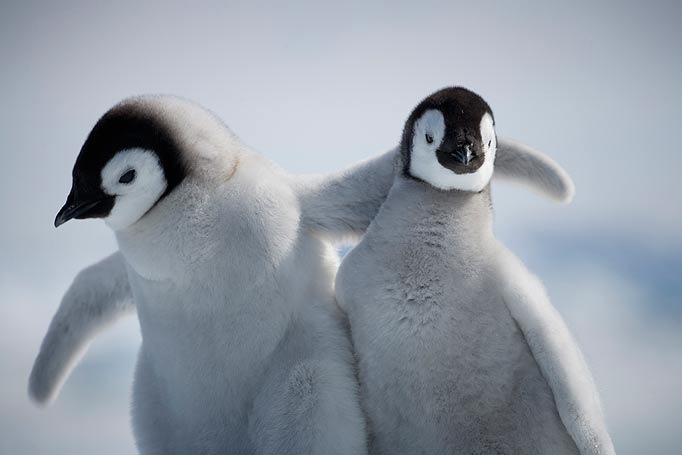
pixel 459 349
pixel 226 259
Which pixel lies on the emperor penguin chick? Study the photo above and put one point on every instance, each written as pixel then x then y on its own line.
pixel 459 349
pixel 241 352
pixel 181 161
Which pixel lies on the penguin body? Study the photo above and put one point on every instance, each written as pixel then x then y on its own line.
pixel 241 353
pixel 230 270
pixel 219 342
pixel 458 348
pixel 439 356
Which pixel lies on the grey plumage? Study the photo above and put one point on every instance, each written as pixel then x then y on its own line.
pixel 254 240
pixel 337 207
pixel 99 295
pixel 520 163
pixel 458 348
pixel 241 352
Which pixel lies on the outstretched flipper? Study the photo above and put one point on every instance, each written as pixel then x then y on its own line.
pixel 98 296
pixel 342 204
pixel 520 163
pixel 557 356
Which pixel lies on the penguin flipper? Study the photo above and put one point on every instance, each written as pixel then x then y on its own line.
pixel 558 357
pixel 98 296
pixel 518 162
pixel 342 204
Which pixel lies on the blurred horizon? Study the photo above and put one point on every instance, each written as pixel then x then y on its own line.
pixel 317 87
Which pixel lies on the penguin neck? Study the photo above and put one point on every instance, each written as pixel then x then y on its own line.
pixel 460 216
pixel 172 237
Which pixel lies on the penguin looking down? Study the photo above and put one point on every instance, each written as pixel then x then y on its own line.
pixel 227 261
pixel 132 159
pixel 458 348
pixel 241 352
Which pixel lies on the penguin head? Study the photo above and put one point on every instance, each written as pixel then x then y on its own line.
pixel 129 162
pixel 449 141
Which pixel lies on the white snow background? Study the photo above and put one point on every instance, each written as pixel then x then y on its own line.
pixel 316 87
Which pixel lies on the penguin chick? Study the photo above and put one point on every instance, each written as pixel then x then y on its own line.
pixel 241 352
pixel 458 347
pixel 338 206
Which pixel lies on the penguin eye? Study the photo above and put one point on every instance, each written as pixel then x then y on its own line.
pixel 429 138
pixel 127 177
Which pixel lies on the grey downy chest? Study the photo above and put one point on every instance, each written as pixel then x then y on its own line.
pixel 443 365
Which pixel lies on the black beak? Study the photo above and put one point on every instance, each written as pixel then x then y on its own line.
pixel 463 154
pixel 77 207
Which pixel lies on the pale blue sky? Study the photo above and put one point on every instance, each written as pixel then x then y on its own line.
pixel 317 86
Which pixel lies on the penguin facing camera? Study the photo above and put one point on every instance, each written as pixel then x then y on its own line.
pixel 459 349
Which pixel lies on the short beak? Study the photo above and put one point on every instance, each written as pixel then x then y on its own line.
pixel 77 209
pixel 463 154
pixel 467 155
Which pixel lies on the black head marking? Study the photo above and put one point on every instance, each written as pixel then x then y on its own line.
pixel 126 126
pixel 461 150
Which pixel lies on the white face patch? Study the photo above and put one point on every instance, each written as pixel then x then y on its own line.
pixel 139 194
pixel 489 144
pixel 424 163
